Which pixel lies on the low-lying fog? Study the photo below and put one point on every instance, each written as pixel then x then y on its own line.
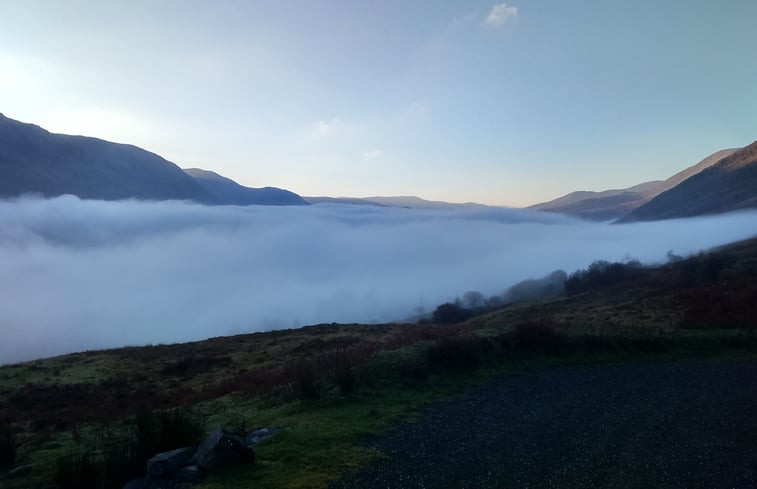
pixel 78 275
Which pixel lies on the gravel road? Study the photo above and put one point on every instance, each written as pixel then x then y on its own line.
pixel 683 424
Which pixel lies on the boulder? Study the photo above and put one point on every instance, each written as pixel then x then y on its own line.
pixel 220 449
pixel 140 483
pixel 166 463
pixel 162 483
pixel 259 435
pixel 190 473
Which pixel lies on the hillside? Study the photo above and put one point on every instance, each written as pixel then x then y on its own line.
pixel 35 161
pixel 226 191
pixel 728 185
pixel 600 206
pixel 613 204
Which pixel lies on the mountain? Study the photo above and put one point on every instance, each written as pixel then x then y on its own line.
pixel 613 204
pixel 407 202
pixel 342 200
pixel 228 192
pixel 730 184
pixel 601 206
pixel 35 161
pixel 418 203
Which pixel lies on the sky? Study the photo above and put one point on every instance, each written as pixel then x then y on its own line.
pixel 499 103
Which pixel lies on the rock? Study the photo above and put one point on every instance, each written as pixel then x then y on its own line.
pixel 162 483
pixel 222 448
pixel 190 473
pixel 137 484
pixel 259 435
pixel 166 463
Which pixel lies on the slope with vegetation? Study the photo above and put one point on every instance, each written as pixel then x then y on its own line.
pixel 35 161
pixel 80 420
pixel 613 204
pixel 226 191
pixel 729 185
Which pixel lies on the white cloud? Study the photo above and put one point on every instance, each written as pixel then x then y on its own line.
pixel 78 274
pixel 374 153
pixel 323 128
pixel 500 14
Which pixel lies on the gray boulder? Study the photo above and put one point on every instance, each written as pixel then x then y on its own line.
pixel 262 434
pixel 166 463
pixel 162 483
pixel 140 483
pixel 190 473
pixel 220 449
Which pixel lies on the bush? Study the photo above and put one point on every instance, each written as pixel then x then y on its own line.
pixel 160 431
pixel 124 457
pixel 449 313
pixel 539 336
pixel 346 380
pixel 304 379
pixel 341 366
pixel 7 446
pixel 600 274
pixel 413 367
pixel 76 472
pixel 191 365
pixel 456 353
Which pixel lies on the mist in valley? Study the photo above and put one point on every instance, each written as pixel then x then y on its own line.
pixel 78 275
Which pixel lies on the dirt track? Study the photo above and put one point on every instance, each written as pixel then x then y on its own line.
pixel 686 424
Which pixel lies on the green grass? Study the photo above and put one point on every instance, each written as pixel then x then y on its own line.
pixel 323 439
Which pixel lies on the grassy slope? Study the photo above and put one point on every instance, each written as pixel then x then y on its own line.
pixel 60 404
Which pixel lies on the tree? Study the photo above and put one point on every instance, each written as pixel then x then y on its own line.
pixel 474 299
pixel 450 313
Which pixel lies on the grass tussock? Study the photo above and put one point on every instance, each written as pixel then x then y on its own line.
pixel 8 446
pixel 120 454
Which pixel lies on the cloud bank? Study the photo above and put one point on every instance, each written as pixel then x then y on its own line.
pixel 78 275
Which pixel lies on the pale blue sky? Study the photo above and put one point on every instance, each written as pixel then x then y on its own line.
pixel 481 101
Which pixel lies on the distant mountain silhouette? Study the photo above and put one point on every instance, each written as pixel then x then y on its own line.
pixel 728 185
pixel 407 202
pixel 614 204
pixel 35 161
pixel 226 191
pixel 343 201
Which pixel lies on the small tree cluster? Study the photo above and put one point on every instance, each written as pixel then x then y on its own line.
pixel 449 313
pixel 601 273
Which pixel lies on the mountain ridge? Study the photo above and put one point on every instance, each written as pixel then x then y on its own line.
pixel 226 191
pixel 36 161
pixel 728 185
pixel 609 205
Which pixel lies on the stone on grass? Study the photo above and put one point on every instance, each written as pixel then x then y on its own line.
pixel 220 449
pixel 140 483
pixel 259 435
pixel 166 463
pixel 190 473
